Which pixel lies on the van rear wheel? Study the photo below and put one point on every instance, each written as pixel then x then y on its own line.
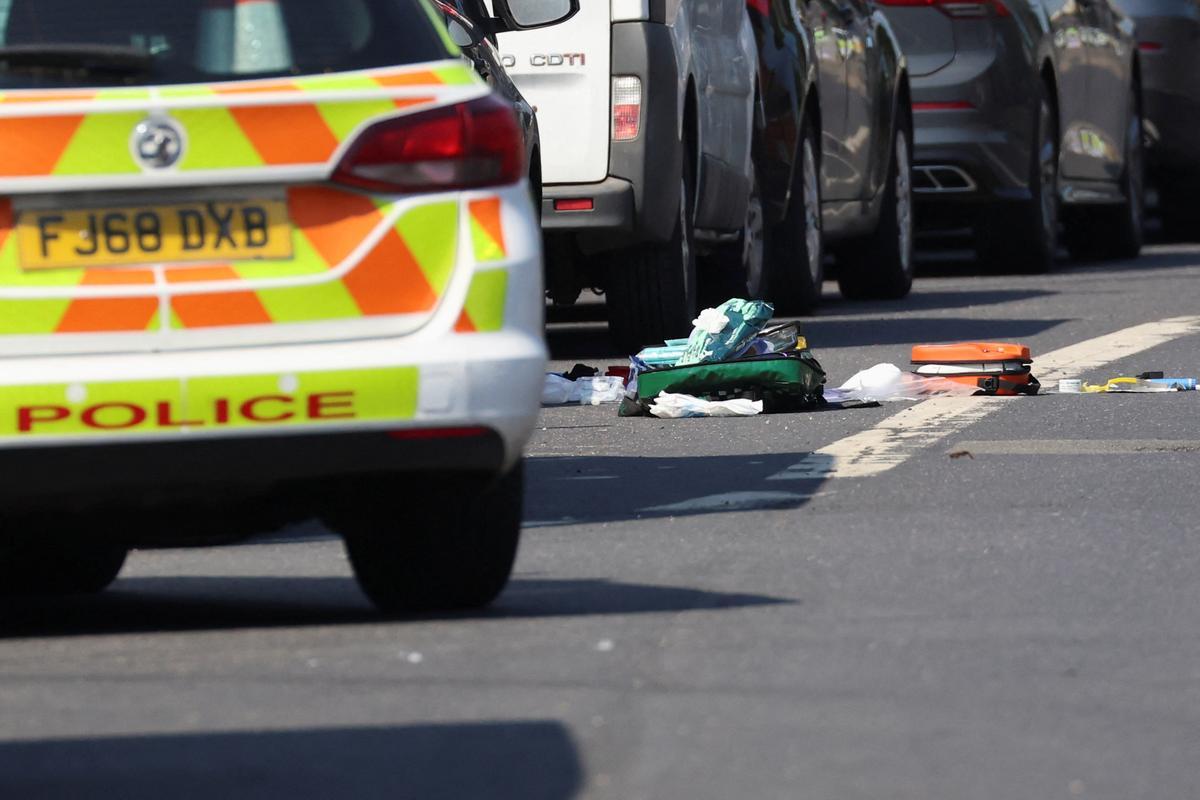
pixel 651 290
pixel 443 543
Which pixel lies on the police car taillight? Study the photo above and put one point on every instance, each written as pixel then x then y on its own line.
pixel 464 146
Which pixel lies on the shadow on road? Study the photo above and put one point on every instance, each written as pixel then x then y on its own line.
pixel 932 301
pixel 573 490
pixel 522 760
pixel 190 603
pixel 826 334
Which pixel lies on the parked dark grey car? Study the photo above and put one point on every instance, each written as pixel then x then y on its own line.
pixel 1027 112
pixel 1168 33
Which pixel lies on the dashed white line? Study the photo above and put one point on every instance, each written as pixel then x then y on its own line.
pixel 897 438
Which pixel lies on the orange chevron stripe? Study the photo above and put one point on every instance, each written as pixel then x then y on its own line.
pixel 46 97
pixel 256 88
pixel 389 280
pixel 34 145
pixel 407 102
pixel 423 78
pixel 335 222
pixel 487 214
pixel 217 309
pixel 100 314
pixel 287 134
pixel 464 324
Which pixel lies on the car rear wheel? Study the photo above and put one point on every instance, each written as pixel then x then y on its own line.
pixel 795 265
pixel 1115 231
pixel 1180 212
pixel 738 268
pixel 651 290
pixel 44 562
pixel 1023 237
pixel 881 266
pixel 442 543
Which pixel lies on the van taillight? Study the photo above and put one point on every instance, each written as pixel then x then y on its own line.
pixel 626 108
pixel 965 9
pixel 465 146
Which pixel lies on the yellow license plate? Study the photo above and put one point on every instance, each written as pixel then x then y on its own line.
pixel 206 231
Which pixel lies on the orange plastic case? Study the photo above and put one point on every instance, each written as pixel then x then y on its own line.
pixel 993 367
pixel 969 353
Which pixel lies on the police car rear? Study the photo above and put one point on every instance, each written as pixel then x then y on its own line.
pixel 259 260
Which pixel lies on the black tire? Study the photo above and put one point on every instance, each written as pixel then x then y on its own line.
pixel 1180 213
pixel 51 564
pixel 795 258
pixel 439 545
pixel 1023 237
pixel 881 266
pixel 1110 232
pixel 739 268
pixel 651 290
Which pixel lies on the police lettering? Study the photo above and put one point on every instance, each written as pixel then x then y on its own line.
pixel 222 412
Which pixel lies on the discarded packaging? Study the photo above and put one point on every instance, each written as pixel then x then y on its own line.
pixel 776 339
pixel 1070 386
pixel 677 406
pixel 557 390
pixel 723 332
pixel 887 382
pixel 1130 386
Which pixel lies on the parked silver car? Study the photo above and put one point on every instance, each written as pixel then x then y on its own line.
pixel 1027 112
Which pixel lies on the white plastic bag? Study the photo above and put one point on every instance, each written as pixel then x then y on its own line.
pixel 557 390
pixel 676 406
pixel 884 382
pixel 600 389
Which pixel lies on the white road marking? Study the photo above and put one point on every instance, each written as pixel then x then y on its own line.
pixel 1074 361
pixel 1077 447
pixel 731 501
pixel 897 438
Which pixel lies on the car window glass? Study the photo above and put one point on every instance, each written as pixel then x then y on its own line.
pixel 202 40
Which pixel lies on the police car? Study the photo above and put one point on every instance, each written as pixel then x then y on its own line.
pixel 262 260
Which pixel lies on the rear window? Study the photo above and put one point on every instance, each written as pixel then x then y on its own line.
pixel 75 43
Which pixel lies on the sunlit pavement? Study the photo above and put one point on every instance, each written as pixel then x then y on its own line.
pixel 999 606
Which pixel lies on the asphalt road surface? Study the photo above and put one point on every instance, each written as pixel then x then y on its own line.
pixel 989 598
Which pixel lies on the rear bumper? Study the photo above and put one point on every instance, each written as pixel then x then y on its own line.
pixel 612 208
pixel 470 407
pixel 213 472
pixel 994 165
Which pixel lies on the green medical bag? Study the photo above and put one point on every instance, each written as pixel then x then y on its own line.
pixel 783 381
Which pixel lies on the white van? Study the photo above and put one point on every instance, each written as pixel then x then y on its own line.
pixel 646 110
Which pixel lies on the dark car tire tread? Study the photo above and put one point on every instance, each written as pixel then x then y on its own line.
pixel 650 290
pixel 792 287
pixel 881 266
pixel 1104 233
pixel 58 565
pixel 1018 237
pixel 443 544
